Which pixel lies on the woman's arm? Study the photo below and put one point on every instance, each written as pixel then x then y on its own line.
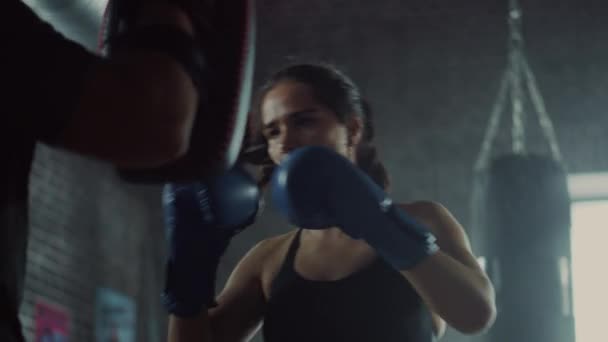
pixel 451 281
pixel 240 305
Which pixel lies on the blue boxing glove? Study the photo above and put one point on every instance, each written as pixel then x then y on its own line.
pixel 200 220
pixel 316 188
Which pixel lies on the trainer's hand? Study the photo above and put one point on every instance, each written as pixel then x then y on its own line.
pixel 214 43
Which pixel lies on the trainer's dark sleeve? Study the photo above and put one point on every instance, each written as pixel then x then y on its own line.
pixel 42 74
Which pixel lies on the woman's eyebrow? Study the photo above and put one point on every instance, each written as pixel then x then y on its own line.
pixel 291 115
pixel 299 113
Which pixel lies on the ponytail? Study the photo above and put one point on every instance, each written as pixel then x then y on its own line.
pixel 369 161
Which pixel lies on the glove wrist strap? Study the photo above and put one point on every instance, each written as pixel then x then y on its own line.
pixel 186 296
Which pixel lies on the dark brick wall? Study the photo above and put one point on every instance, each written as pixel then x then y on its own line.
pixel 89 230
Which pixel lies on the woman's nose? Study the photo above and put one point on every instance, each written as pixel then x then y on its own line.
pixel 287 142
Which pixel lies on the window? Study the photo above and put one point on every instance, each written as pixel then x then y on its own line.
pixel 589 239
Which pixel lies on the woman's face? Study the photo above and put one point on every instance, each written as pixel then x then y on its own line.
pixel 292 118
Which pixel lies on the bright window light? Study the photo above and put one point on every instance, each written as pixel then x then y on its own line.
pixel 589 236
pixel 588 186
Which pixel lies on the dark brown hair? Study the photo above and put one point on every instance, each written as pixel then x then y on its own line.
pixel 339 93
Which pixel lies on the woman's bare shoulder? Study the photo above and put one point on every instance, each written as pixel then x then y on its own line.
pixel 270 246
pixel 423 208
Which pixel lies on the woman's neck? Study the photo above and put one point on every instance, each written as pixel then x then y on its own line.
pixel 328 234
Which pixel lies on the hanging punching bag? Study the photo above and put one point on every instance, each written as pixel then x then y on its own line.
pixel 525 212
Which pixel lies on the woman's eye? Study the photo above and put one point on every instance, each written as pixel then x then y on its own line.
pixel 271 133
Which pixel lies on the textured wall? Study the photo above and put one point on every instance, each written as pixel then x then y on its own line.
pixel 90 231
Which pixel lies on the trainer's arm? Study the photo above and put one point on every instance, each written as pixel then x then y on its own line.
pixel 137 109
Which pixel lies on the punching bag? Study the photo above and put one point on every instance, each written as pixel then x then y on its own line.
pixel 524 208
